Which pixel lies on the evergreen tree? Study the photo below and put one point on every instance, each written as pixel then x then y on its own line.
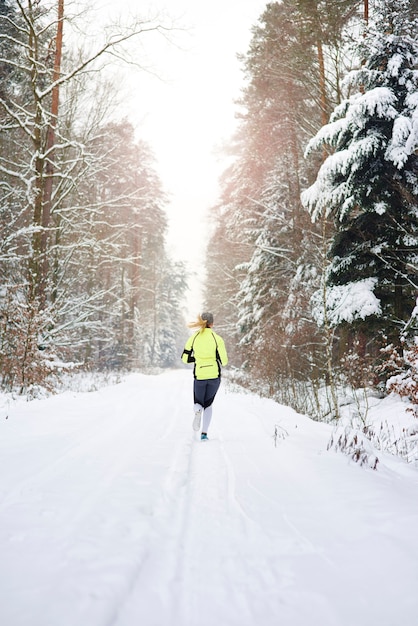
pixel 287 67
pixel 368 184
pixel 262 189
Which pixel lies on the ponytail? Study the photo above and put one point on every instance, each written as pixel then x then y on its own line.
pixel 202 322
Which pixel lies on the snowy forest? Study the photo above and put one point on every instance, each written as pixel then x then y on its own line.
pixel 299 506
pixel 85 279
pixel 312 262
pixel 314 257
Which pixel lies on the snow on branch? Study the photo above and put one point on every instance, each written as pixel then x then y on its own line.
pixel 327 135
pixel 346 303
pixel 378 102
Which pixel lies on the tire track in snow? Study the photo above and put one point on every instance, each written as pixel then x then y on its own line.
pixel 91 472
pixel 156 566
pixel 164 577
pixel 220 541
pixel 202 539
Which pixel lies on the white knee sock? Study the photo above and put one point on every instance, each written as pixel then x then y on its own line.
pixel 207 416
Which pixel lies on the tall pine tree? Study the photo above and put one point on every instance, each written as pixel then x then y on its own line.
pixel 368 183
pixel 290 85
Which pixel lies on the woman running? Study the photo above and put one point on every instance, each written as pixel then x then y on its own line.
pixel 207 351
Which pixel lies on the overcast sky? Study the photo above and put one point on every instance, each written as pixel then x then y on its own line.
pixel 188 111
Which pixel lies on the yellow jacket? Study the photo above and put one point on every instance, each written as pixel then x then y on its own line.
pixel 207 351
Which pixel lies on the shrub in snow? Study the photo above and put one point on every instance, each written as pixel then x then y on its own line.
pixel 26 364
pixel 401 442
pixel 405 384
pixel 358 370
pixel 392 363
pixel 354 443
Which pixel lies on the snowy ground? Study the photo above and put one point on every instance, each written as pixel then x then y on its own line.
pixel 113 513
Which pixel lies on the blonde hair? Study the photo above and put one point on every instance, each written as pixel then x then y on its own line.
pixel 202 322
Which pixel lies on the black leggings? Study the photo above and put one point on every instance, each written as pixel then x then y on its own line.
pixel 205 391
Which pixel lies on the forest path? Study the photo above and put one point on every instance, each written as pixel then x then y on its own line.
pixel 114 513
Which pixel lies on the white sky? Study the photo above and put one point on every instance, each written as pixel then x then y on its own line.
pixel 188 111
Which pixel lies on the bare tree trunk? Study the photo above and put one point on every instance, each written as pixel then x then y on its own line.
pixel 329 332
pixel 38 268
pixel 135 279
pixel 322 83
pixel 34 264
pixel 50 142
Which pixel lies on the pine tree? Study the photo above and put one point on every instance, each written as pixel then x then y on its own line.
pixel 287 93
pixel 368 184
pixel 262 189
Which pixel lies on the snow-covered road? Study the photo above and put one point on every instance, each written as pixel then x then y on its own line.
pixel 113 513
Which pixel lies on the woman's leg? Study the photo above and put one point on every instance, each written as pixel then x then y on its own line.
pixel 212 387
pixel 204 392
pixel 199 388
pixel 198 408
pixel 199 392
pixel 207 416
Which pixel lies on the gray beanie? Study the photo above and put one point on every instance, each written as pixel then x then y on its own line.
pixel 208 317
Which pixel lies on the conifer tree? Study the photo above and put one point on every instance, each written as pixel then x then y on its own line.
pixel 283 104
pixel 368 184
